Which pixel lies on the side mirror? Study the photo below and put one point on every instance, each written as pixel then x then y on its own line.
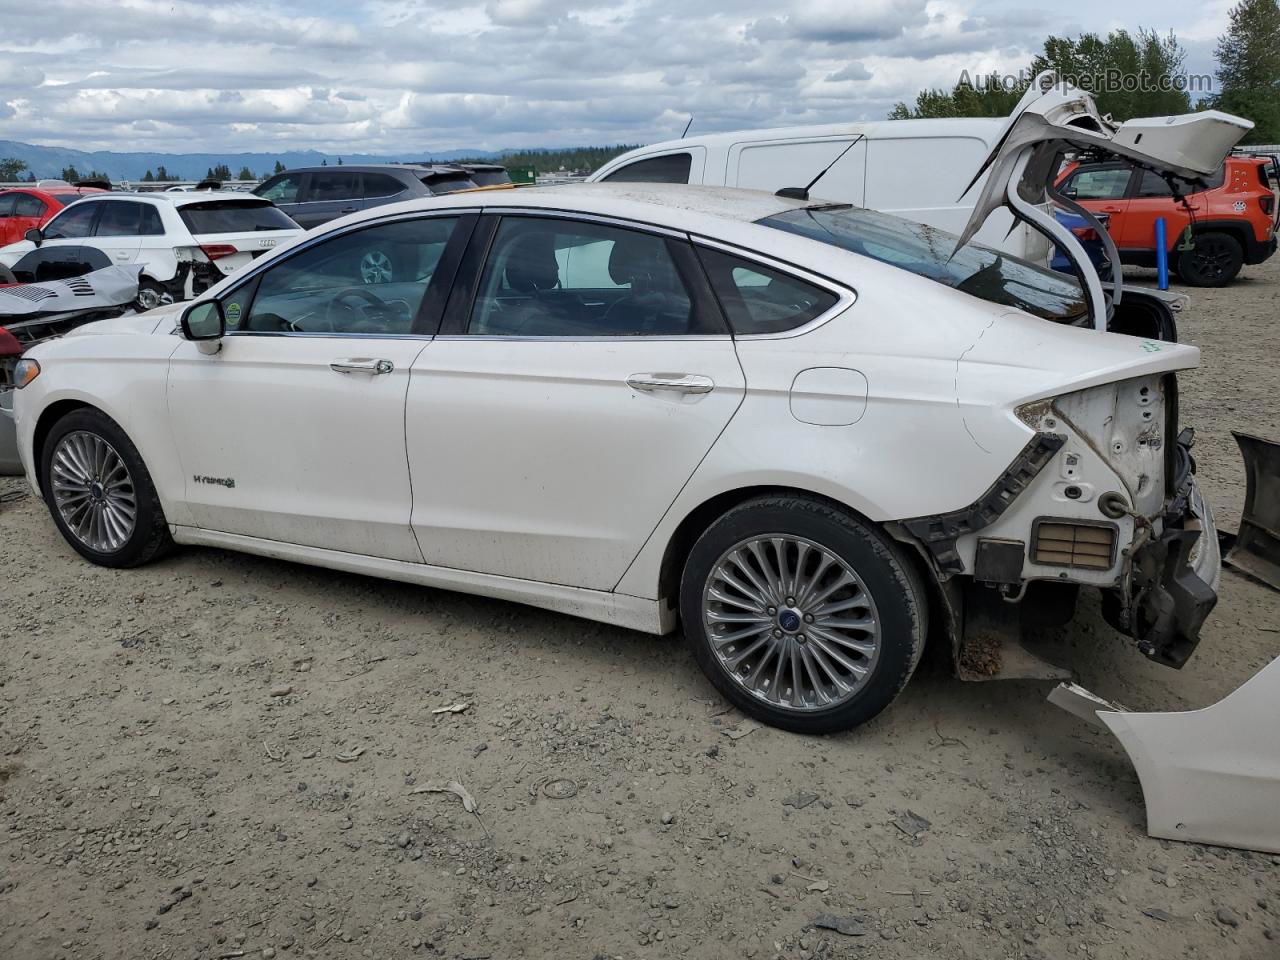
pixel 34 235
pixel 204 321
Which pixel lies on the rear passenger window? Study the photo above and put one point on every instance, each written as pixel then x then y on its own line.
pixel 6 204
pixel 332 186
pixel 757 299
pixel 380 185
pixel 25 205
pixel 561 278
pixel 120 219
pixel 669 168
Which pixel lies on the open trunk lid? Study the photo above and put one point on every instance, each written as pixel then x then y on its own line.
pixel 1053 117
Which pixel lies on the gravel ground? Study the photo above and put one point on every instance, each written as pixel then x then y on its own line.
pixel 217 756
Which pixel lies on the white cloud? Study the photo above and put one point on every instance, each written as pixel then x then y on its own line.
pixel 410 76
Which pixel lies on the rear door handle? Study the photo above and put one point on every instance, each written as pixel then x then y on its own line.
pixel 348 210
pixel 362 365
pixel 677 382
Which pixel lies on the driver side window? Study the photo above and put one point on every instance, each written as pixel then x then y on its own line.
pixel 369 282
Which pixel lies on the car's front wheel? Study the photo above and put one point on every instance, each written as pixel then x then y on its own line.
pixel 100 493
pixel 802 615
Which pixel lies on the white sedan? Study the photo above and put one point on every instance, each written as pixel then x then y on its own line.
pixel 805 431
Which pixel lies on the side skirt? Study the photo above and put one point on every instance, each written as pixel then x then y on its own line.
pixel 634 613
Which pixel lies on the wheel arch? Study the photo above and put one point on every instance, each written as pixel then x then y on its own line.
pixel 49 416
pixel 697 520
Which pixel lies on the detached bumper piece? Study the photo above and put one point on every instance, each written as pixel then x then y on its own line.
pixel 1208 776
pixel 1165 601
pixel 1257 547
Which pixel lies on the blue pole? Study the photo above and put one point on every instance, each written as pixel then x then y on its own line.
pixel 1162 256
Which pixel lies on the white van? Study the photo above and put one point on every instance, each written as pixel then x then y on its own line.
pixel 916 169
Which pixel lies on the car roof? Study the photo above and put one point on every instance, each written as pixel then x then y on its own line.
pixel 179 199
pixel 55 191
pixel 931 127
pixel 416 169
pixel 678 206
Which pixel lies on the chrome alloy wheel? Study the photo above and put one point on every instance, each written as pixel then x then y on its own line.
pixel 791 622
pixel 93 491
pixel 375 267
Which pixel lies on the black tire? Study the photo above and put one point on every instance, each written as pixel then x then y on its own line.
pixel 1213 262
pixel 900 600
pixel 150 535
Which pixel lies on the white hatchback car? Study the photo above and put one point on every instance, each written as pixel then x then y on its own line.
pixel 808 431
pixel 184 242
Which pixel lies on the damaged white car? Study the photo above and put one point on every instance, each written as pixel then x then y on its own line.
pixel 811 434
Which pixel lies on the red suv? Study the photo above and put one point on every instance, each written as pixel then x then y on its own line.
pixel 1232 216
pixel 26 207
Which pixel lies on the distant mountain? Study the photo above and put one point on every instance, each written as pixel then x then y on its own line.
pixel 51 161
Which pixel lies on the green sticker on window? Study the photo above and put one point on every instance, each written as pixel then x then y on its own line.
pixel 233 314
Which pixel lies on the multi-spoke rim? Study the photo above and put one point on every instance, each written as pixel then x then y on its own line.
pixel 93 491
pixel 1213 258
pixel 375 267
pixel 791 622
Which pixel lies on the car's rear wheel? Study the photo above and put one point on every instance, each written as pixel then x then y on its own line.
pixel 803 616
pixel 1213 262
pixel 100 493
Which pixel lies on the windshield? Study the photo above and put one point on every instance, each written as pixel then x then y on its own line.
pixel 234 216
pixel 928 252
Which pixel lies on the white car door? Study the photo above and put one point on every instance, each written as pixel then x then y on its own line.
pixel 294 430
pixel 64 237
pixel 118 233
pixel 581 375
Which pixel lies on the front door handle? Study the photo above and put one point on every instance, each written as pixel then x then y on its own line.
pixel 362 365
pixel 676 382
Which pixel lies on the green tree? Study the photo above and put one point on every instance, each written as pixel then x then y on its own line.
pixel 162 174
pixel 70 174
pixel 279 167
pixel 148 177
pixel 1128 75
pixel 11 169
pixel 245 174
pixel 1249 68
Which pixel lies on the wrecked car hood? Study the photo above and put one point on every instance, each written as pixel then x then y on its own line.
pixel 1054 116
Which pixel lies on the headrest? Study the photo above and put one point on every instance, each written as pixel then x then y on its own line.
pixel 531 263
pixel 635 256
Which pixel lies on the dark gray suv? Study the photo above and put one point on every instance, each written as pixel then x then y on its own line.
pixel 316 195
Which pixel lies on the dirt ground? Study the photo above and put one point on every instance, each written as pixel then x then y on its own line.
pixel 215 757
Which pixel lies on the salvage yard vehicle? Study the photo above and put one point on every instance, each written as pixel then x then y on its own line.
pixel 184 242
pixel 806 431
pixel 315 195
pixel 22 208
pixel 1230 215
pixel 917 169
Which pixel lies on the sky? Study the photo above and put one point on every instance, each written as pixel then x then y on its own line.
pixel 385 76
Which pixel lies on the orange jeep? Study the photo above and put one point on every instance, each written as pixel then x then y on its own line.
pixel 1231 215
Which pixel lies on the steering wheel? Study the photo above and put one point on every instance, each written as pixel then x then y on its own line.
pixel 345 298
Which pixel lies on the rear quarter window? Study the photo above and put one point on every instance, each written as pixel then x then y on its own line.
pixel 233 216
pixel 757 299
